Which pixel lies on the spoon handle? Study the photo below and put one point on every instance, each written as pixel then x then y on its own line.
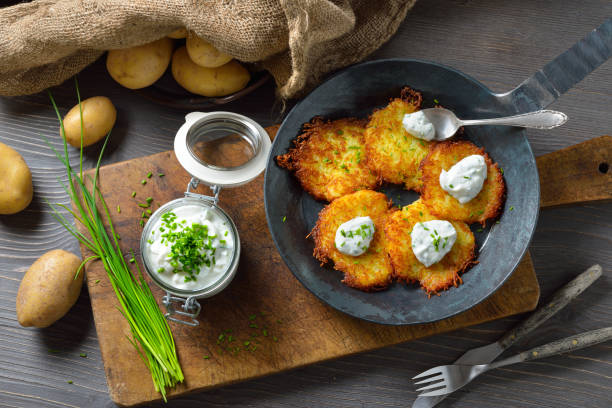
pixel 543 119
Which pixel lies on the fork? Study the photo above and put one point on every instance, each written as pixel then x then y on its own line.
pixel 449 378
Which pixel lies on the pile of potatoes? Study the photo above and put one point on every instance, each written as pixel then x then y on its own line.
pixel 197 66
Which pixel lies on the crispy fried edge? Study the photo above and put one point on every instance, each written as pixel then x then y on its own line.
pixel 323 256
pixel 290 160
pixel 490 213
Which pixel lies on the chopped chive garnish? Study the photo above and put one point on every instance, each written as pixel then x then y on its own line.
pixel 512 208
pixel 142 223
pixel 451 186
pixel 133 194
pixel 149 212
pixel 132 260
pixel 119 209
pixel 252 317
pixel 246 343
pixel 161 175
pixel 206 357
pixel 149 175
pixel 142 205
pixel 69 381
pixel 84 355
pixel 479 230
pixel 284 218
pixel 436 101
pixel 149 200
pixel 143 182
pixel 97 281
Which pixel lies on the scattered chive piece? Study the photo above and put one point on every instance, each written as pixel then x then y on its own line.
pixel 206 357
pixel 119 209
pixel 497 222
pixel 246 343
pixel 133 194
pixel 252 317
pixel 149 212
pixel 284 218
pixel 143 182
pixel 132 260
pixel 97 281
pixel 69 381
pixel 451 186
pixel 512 208
pixel 84 355
pixel 274 338
pixel 501 171
pixel 149 175
pixel 278 321
pixel 161 175
pixel 143 205
pixel 436 101
pixel 142 223
pixel 265 332
pixel 54 351
pixel 149 200
pixel 479 230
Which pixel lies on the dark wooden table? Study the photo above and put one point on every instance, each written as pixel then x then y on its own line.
pixel 498 42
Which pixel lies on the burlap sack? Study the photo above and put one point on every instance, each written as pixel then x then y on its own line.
pixel 45 42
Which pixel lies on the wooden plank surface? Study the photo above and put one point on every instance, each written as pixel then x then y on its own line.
pixel 300 329
pixel 500 44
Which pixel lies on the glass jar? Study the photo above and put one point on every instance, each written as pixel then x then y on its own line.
pixel 221 150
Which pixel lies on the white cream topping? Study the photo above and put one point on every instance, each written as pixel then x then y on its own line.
pixel 431 240
pixel 465 179
pixel 419 126
pixel 217 251
pixel 354 236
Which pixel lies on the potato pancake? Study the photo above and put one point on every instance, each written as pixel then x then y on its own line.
pixel 487 204
pixel 406 266
pixel 328 158
pixel 368 272
pixel 392 152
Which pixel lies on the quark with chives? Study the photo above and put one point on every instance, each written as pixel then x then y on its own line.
pixel 190 247
pixel 354 236
pixel 432 240
pixel 465 179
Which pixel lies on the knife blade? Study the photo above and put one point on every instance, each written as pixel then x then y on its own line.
pixel 488 353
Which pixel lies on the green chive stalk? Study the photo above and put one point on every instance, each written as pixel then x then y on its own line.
pixel 151 335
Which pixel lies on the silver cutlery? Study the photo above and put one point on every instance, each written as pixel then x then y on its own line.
pixel 446 123
pixel 488 353
pixel 449 378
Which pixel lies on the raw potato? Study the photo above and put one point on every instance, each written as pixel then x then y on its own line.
pixel 99 115
pixel 178 34
pixel 204 53
pixel 48 289
pixel 224 80
pixel 15 181
pixel 140 66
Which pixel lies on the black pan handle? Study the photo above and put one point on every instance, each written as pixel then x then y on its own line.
pixel 565 71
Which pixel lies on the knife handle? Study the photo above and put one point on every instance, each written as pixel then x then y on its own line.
pixel 560 299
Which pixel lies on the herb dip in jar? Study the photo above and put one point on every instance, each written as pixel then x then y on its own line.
pixel 190 247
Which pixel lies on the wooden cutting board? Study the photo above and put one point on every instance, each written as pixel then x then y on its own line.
pixel 284 324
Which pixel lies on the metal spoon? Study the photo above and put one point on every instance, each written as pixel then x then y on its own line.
pixel 446 123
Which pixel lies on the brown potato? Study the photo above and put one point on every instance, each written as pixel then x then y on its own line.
pixel 48 289
pixel 99 115
pixel 220 81
pixel 139 67
pixel 205 54
pixel 15 181
pixel 178 34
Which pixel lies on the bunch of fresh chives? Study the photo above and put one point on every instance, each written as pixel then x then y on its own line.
pixel 151 335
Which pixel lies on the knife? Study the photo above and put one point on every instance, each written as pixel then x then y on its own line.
pixel 488 353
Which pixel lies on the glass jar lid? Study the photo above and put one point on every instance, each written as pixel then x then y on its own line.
pixel 222 149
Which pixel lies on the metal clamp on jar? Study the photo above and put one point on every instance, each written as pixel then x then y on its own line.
pixel 190 247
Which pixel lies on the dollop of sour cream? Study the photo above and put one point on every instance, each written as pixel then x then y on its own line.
pixel 465 179
pixel 190 247
pixel 431 240
pixel 354 236
pixel 419 126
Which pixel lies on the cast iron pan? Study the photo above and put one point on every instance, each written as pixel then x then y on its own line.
pixel 355 92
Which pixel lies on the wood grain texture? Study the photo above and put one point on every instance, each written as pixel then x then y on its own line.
pixel 579 173
pixel 309 331
pixel 499 43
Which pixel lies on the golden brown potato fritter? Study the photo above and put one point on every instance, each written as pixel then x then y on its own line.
pixel 487 204
pixel 407 267
pixel 328 159
pixel 372 270
pixel 393 153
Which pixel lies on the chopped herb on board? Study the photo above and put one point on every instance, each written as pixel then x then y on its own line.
pixel 206 357
pixel 284 218
pixel 119 209
pixel 84 355
pixel 97 281
pixel 161 175
pixel 149 175
pixel 143 182
pixel 512 208
pixel 133 194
